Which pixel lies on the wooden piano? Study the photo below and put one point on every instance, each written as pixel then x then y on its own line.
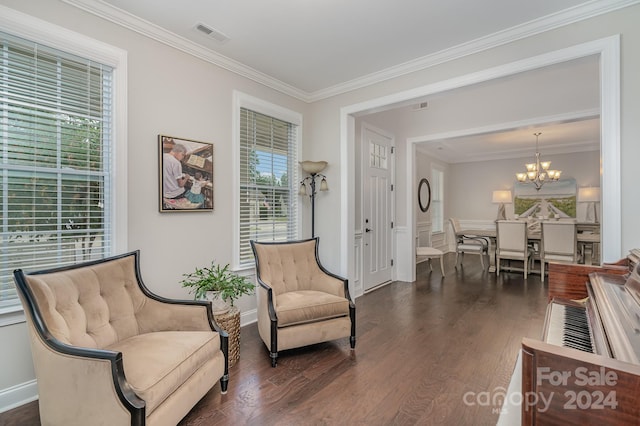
pixel 586 368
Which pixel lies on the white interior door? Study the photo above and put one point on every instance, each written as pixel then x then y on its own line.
pixel 377 211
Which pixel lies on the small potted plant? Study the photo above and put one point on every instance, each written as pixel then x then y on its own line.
pixel 218 284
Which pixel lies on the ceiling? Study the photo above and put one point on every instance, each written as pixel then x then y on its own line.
pixel 313 46
pixel 315 49
pixel 554 138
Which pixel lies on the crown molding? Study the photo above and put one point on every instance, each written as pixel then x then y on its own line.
pixel 537 26
pixel 155 32
pixel 566 148
pixel 528 29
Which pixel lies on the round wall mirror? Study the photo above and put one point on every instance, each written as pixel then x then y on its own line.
pixel 424 194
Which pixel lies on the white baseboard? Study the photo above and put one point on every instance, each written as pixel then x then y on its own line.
pixel 18 395
pixel 248 317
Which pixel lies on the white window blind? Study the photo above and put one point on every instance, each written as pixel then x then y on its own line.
pixel 437 202
pixel 55 165
pixel 268 181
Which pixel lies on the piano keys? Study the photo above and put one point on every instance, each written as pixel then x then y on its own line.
pixel 586 368
pixel 569 327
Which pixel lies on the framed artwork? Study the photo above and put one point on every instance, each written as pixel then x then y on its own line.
pixel 554 199
pixel 185 175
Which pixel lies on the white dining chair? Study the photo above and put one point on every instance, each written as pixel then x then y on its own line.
pixel 468 244
pixel 512 244
pixel 424 250
pixel 558 243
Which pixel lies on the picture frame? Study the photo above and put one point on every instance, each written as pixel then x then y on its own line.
pixel 424 195
pixel 557 197
pixel 185 170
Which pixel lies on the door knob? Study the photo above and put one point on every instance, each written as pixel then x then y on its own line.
pixel 368 230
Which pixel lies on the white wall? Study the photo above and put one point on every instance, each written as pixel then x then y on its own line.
pixel 173 93
pixel 472 184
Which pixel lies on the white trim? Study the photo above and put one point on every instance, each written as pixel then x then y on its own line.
pixel 504 154
pixel 356 288
pixel 528 29
pixel 406 254
pixel 609 50
pixel 18 395
pixel 248 317
pixel 242 100
pixel 12 315
pixel 157 33
pixel 536 26
pixel 45 33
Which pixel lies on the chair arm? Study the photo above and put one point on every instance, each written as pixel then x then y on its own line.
pixel 93 380
pixel 160 314
pixel 270 299
pixel 478 240
pixel 338 285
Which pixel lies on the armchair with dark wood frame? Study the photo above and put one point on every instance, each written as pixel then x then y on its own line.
pixel 300 302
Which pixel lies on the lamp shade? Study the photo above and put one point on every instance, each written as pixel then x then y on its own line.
pixel 502 197
pixel 588 194
pixel 323 185
pixel 313 167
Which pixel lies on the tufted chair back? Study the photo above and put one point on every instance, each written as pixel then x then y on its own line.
pixel 80 310
pixel 294 267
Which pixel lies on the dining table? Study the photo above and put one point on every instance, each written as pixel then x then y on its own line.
pixel 588 240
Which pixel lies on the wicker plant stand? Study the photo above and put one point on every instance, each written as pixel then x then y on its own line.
pixel 230 322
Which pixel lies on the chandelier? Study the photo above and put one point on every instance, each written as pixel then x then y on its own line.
pixel 538 173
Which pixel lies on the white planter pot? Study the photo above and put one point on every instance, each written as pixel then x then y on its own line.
pixel 218 305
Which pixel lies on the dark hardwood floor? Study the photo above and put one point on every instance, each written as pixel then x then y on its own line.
pixel 421 347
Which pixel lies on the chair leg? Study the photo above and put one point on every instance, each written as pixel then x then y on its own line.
pixel 497 266
pixel 482 260
pixel 541 270
pixel 352 316
pixel 457 254
pixel 442 265
pixel 224 384
pixel 430 265
pixel 526 266
pixel 273 352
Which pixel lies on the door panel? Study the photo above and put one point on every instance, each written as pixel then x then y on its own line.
pixel 377 213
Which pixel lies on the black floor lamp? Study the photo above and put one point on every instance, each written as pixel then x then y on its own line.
pixel 308 185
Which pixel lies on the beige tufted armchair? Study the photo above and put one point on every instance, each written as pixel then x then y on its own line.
pixel 299 302
pixel 107 351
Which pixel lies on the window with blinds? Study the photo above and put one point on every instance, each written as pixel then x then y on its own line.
pixel 55 151
pixel 268 178
pixel 437 202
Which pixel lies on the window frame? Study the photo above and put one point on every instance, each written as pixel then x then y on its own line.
pixel 56 37
pixel 243 100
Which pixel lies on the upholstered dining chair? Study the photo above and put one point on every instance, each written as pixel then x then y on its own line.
pixel 299 302
pixel 467 243
pixel 424 251
pixel 558 243
pixel 512 244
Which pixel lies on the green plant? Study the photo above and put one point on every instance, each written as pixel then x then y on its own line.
pixel 217 278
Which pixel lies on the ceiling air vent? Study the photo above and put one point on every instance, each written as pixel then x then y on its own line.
pixel 210 32
pixel 420 106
